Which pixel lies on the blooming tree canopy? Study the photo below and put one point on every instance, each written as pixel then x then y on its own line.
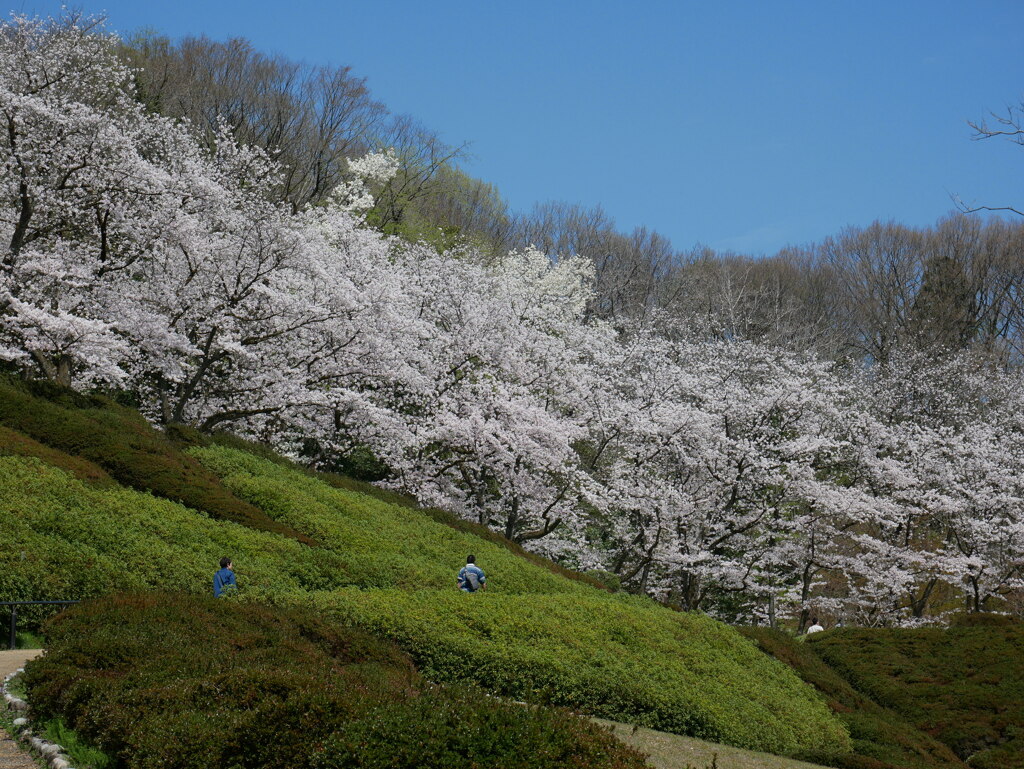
pixel 722 475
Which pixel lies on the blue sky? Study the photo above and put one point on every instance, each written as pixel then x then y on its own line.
pixel 740 125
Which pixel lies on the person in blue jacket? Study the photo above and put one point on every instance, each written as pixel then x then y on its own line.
pixel 471 577
pixel 225 578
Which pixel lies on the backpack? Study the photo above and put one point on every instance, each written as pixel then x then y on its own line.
pixel 472 581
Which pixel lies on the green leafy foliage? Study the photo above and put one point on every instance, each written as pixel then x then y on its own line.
pixel 121 443
pixel 619 657
pixel 14 444
pixel 65 539
pixel 392 498
pixel 83 755
pixel 384 545
pixel 392 570
pixel 250 686
pixel 882 738
pixel 963 684
pixel 532 635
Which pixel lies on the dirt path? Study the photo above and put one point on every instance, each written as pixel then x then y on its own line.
pixel 12 660
pixel 11 754
pixel 670 751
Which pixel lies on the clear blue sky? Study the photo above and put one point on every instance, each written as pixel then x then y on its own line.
pixel 740 125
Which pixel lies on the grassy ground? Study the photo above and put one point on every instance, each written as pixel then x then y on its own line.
pixel 670 751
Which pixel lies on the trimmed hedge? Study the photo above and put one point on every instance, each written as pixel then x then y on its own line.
pixel 963 685
pixel 384 545
pixel 188 437
pixel 125 446
pixel 532 635
pixel 14 444
pixel 619 657
pixel 180 682
pixel 392 570
pixel 65 539
pixel 882 739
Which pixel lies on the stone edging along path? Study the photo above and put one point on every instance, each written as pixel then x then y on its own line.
pixel 52 753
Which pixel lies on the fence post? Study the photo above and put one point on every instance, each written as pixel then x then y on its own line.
pixel 14 613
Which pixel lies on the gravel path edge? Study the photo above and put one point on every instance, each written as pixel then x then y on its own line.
pixel 50 752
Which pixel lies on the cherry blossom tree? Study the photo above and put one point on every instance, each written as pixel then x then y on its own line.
pixel 717 473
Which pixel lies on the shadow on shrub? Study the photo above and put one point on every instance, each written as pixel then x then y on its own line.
pixel 178 681
pixel 882 738
pixel 116 442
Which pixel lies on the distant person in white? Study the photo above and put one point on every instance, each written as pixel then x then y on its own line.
pixel 815 627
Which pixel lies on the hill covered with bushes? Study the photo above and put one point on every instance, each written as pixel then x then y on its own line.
pixel 163 679
pixel 963 684
pixel 71 530
pixel 918 698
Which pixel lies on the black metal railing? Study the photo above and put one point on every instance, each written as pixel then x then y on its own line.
pixel 14 614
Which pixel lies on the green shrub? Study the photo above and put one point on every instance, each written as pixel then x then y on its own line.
pixel 496 735
pixel 384 545
pixel 983 619
pixel 532 635
pixel 881 738
pixel 14 444
pixel 125 446
pixel 619 657
pixel 392 498
pixel 26 639
pixel 607 578
pixel 963 685
pixel 251 686
pixel 64 539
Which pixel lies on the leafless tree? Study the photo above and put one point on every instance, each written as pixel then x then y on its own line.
pixel 309 118
pixel 1009 125
pixel 633 272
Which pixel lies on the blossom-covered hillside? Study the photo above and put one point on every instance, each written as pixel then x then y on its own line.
pixel 157 261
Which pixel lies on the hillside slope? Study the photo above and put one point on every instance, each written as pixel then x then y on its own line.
pixel 248 686
pixel 964 684
pixel 927 698
pixel 71 528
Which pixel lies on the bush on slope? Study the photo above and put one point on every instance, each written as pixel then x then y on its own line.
pixel 384 545
pixel 125 446
pixel 65 539
pixel 881 738
pixel 15 444
pixel 252 687
pixel 192 438
pixel 392 569
pixel 531 634
pixel 964 685
pixel 67 423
